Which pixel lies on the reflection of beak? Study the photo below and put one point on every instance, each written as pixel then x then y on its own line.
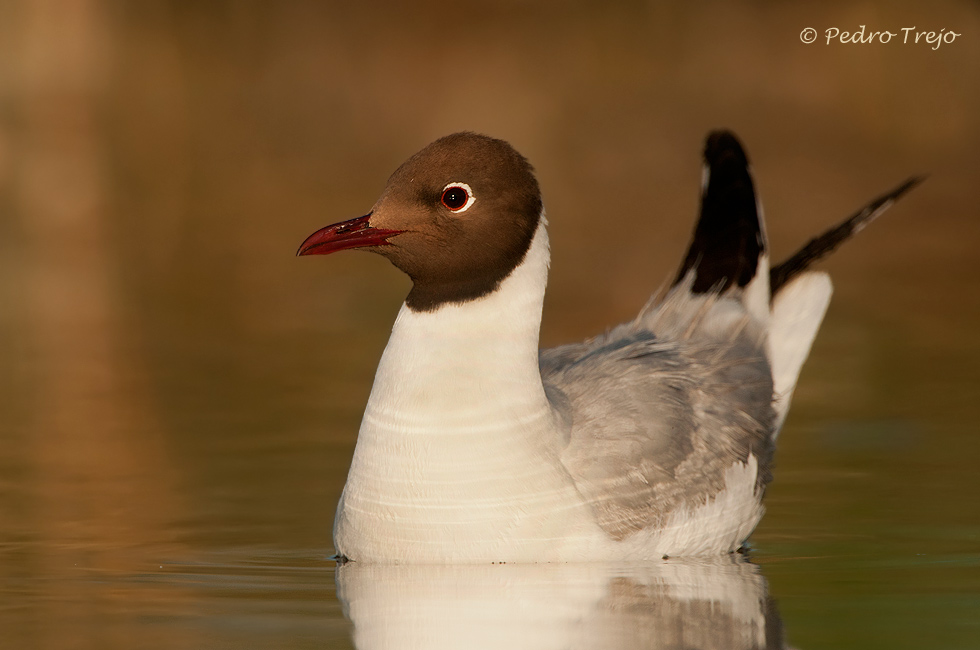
pixel 354 233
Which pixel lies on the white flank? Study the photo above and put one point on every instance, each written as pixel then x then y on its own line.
pixel 721 524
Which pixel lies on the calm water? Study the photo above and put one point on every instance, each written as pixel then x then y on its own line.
pixel 180 395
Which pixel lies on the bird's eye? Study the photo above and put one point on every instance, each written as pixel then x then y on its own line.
pixel 457 197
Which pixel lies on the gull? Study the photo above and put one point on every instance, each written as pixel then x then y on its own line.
pixel 653 439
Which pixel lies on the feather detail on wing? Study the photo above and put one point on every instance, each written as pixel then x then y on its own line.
pixel 656 413
pixel 657 410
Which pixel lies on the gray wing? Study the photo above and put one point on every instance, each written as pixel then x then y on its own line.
pixel 656 410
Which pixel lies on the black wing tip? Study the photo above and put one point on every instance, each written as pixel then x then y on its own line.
pixel 728 240
pixel 868 213
pixel 721 144
pixel 909 183
pixel 824 244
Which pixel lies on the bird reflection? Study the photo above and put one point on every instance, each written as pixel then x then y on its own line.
pixel 714 603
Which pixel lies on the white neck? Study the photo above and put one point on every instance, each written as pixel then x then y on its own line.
pixel 466 364
pixel 450 453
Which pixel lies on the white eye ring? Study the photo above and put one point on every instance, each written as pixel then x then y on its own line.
pixel 470 199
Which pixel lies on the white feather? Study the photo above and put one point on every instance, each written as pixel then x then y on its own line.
pixel 797 311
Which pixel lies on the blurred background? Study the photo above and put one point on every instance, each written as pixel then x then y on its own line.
pixel 180 395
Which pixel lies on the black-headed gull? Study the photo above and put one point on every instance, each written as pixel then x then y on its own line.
pixel 654 439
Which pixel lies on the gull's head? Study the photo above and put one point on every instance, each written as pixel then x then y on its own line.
pixel 457 218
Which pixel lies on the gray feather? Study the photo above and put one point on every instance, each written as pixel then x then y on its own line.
pixel 657 409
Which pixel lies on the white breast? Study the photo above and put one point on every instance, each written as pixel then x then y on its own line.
pixel 457 456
